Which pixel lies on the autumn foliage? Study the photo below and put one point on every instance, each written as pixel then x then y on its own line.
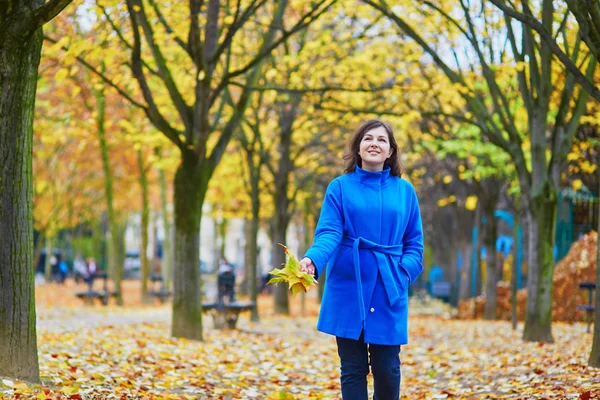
pixel 578 266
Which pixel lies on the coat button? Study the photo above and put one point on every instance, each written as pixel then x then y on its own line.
pixel 372 309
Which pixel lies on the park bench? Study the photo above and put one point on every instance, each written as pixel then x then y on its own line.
pixel 442 290
pixel 226 314
pixel 158 290
pixel 91 294
pixel 589 307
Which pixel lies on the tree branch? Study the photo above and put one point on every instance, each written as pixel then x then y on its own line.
pixel 49 10
pixel 137 13
pixel 168 28
pixel 104 78
pixel 547 38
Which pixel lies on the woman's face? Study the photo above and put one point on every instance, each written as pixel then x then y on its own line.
pixel 375 149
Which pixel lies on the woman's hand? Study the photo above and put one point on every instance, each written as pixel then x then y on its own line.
pixel 306 265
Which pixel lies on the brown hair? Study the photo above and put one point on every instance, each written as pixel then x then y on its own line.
pixel 352 158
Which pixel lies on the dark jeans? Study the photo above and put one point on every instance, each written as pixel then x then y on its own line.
pixel 385 365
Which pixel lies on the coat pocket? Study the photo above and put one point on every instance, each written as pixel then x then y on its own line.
pixel 400 274
pixel 331 268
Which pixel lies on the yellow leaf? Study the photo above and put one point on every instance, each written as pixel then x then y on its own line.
pixel 297 288
pixel 41 396
pixel 68 390
pixel 471 203
pixel 76 91
pixel 572 156
pixel 61 75
pixel 21 386
pixel 447 179
pixel 577 184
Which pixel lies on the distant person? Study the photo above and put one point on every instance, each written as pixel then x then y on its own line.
pixel 370 235
pixel 226 282
pixel 79 269
pixel 90 272
pixel 63 271
pixel 54 268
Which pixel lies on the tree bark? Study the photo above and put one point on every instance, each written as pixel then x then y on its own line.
pixel 594 360
pixel 167 259
pixel 253 239
pixel 538 316
pixel 115 269
pixel 145 221
pixel 191 183
pixel 515 252
pixel 281 218
pixel 19 60
pixel 47 265
pixel 490 237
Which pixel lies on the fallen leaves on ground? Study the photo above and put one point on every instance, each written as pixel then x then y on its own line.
pixel 285 358
pixel 578 266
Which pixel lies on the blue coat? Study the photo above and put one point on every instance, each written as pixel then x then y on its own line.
pixel 370 227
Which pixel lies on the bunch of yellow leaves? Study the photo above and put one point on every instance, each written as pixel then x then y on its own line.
pixel 290 273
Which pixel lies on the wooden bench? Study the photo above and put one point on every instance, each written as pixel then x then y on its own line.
pixel 159 291
pixel 103 296
pixel 226 315
pixel 441 290
pixel 589 307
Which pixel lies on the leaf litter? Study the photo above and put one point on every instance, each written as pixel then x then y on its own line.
pixel 285 358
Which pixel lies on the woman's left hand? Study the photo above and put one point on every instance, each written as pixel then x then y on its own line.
pixel 306 265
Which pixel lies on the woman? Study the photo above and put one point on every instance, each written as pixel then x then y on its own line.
pixel 370 235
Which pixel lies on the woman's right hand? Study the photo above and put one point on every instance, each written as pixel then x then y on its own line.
pixel 306 265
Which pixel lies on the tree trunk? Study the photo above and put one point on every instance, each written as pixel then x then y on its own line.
pixel 538 316
pixel 191 183
pixel 47 264
pixel 245 288
pixel 490 236
pixel 167 259
pixel 19 61
pixel 594 360
pixel 145 221
pixel 115 270
pixel 254 245
pixel 513 286
pixel 465 274
pixel 278 260
pixel 223 224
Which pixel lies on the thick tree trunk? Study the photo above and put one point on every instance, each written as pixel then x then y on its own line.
pixel 594 360
pixel 145 221
pixel 167 259
pixel 191 183
pixel 538 317
pixel 18 78
pixel 490 236
pixel 115 269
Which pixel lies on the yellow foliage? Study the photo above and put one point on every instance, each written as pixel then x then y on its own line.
pixel 471 203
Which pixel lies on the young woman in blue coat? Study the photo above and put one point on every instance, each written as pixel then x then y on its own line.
pixel 370 236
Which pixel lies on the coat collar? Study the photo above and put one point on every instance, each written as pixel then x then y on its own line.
pixel 368 177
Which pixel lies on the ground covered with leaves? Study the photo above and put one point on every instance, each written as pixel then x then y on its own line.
pixel 97 353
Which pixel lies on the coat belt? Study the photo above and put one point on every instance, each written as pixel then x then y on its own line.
pixel 382 255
